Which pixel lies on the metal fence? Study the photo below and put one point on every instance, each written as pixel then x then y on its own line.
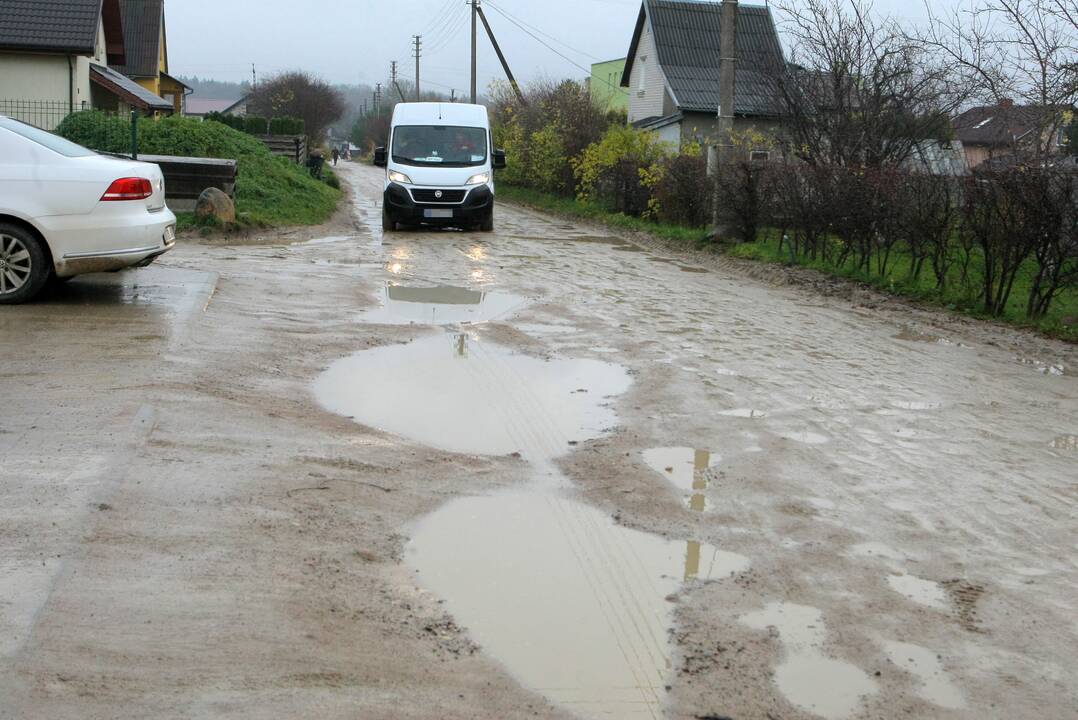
pixel 117 133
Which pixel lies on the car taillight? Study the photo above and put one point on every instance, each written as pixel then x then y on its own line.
pixel 128 189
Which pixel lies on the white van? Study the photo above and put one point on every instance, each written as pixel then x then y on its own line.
pixel 440 167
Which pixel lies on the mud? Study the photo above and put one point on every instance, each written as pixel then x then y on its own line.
pixel 323 471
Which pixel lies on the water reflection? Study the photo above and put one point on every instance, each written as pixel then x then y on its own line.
pixel 439 305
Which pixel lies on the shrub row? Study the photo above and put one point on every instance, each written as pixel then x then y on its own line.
pixel 984 235
pixel 253 125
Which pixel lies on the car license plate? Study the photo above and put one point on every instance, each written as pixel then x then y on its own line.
pixel 170 234
pixel 437 214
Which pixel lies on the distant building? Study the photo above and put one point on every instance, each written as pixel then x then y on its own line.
pixel 201 107
pixel 1005 130
pixel 146 43
pixel 605 85
pixel 672 70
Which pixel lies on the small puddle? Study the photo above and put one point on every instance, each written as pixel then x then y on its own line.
pixel 686 469
pixel 806 676
pixel 439 305
pixel 920 591
pixel 571 603
pixel 923 664
pixel 748 413
pixel 455 393
pixel 1066 442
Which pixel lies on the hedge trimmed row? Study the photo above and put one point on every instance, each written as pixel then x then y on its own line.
pixel 259 125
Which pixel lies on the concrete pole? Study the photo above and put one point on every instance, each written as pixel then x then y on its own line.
pixel 475 47
pixel 723 154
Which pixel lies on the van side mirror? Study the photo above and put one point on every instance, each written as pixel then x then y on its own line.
pixel 499 160
pixel 380 159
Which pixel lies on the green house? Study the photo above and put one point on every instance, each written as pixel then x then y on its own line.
pixel 606 85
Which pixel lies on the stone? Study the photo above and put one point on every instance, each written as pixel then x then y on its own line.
pixel 213 202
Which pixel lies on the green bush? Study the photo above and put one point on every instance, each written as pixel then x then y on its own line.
pixel 617 170
pixel 255 125
pixel 286 126
pixel 270 190
pixel 233 121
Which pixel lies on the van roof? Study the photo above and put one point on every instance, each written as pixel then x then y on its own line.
pixel 427 113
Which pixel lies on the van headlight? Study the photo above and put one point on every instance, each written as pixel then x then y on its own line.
pixel 399 177
pixel 480 179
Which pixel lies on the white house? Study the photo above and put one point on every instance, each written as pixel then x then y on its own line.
pixel 54 58
pixel 673 66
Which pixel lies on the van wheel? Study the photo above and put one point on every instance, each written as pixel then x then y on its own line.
pixel 24 267
pixel 388 225
pixel 487 224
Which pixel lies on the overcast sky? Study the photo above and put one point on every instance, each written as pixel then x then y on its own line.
pixel 346 41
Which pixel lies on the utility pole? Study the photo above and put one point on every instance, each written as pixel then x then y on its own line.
pixel 254 77
pixel 501 57
pixel 393 71
pixel 418 39
pixel 723 154
pixel 475 44
pixel 452 95
pixel 377 97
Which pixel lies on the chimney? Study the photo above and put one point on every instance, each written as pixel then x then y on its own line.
pixel 1006 103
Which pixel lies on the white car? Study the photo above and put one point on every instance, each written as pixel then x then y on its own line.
pixel 65 211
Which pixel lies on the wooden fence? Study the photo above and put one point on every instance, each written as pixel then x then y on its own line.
pixel 293 147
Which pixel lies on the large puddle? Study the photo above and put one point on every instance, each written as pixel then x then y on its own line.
pixel 453 392
pixel 439 305
pixel 572 604
pixel 575 607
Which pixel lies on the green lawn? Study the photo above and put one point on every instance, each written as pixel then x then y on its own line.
pixel 898 282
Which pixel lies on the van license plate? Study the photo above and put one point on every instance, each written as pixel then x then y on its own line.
pixel 437 214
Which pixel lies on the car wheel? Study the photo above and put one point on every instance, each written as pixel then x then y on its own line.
pixel 487 225
pixel 24 267
pixel 388 225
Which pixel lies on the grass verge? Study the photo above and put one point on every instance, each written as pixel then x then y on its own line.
pixel 955 297
pixel 270 191
pixel 570 207
pixel 1060 322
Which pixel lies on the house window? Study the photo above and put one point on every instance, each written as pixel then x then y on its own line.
pixel 760 155
pixel 643 73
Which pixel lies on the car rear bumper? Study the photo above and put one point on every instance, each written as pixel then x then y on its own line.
pixel 477 205
pixel 110 242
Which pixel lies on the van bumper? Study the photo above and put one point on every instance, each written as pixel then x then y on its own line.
pixel 477 205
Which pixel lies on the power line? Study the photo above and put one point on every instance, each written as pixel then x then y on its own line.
pixel 555 50
pixel 450 34
pixel 507 14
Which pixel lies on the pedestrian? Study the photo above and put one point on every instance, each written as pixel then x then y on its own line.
pixel 336 156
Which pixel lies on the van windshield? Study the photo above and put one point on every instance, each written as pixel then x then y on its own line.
pixel 443 145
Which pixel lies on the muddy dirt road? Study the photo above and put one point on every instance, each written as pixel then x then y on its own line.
pixel 536 473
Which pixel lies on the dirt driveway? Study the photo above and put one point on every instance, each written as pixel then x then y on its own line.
pixel 536 473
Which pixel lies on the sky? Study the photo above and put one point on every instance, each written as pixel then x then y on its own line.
pixel 350 41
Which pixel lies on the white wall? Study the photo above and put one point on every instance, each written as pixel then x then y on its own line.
pixel 24 76
pixel 649 103
pixel 33 76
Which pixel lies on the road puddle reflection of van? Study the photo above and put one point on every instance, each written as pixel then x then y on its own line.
pixel 440 305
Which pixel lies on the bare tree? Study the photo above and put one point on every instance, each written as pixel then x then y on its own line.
pixel 858 90
pixel 299 94
pixel 1025 51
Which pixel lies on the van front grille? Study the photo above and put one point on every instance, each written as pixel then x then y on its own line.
pixel 429 195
